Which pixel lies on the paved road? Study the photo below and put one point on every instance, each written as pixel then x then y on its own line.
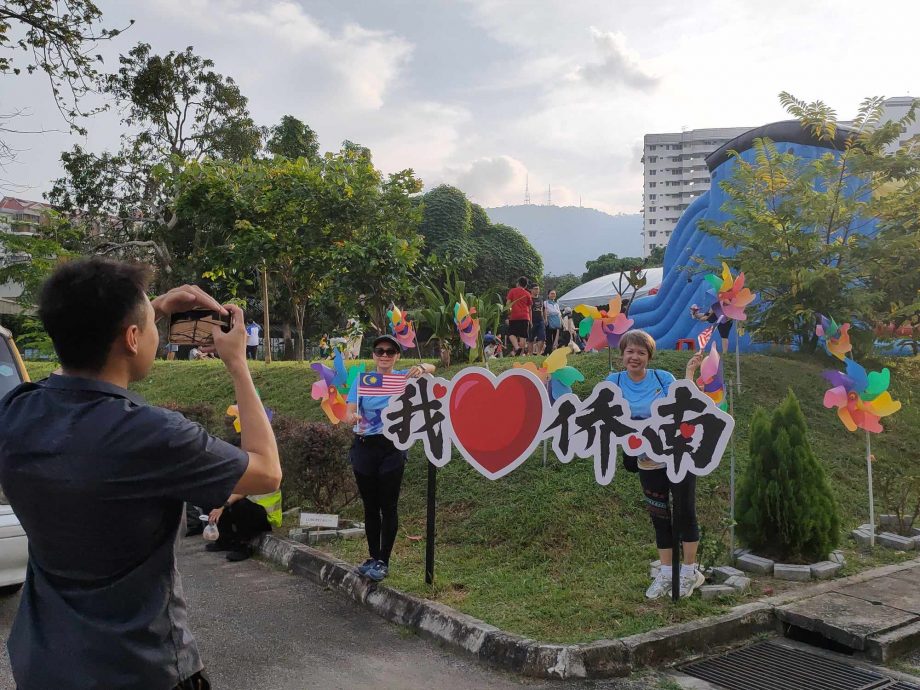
pixel 258 627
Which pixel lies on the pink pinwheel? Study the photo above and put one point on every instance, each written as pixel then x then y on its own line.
pixel 732 298
pixel 467 326
pixel 403 329
pixel 603 328
pixel 711 380
pixel 333 385
pixel 861 399
pixel 836 338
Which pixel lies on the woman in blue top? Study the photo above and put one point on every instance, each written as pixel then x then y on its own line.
pixel 378 465
pixel 641 386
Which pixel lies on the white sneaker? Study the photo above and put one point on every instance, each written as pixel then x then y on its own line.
pixel 660 586
pixel 690 581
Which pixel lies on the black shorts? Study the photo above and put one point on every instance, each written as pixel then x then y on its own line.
pixel 519 328
pixel 725 328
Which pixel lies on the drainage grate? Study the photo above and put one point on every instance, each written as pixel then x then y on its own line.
pixel 901 685
pixel 769 666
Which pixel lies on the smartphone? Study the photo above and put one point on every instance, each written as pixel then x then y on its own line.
pixel 194 327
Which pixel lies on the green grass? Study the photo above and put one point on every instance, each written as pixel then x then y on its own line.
pixel 546 552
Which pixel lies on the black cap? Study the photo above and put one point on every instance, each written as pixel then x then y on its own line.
pixel 386 337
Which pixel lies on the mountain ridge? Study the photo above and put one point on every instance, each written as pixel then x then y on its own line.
pixel 568 236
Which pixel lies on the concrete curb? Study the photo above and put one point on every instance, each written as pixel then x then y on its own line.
pixel 601 659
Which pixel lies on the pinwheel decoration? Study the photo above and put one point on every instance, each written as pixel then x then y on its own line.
pixel 333 385
pixel 711 379
pixel 403 329
pixel 467 326
pixel 234 411
pixel 861 398
pixel 732 298
pixel 603 328
pixel 555 373
pixel 836 338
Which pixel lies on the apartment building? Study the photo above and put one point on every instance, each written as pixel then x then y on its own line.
pixel 675 173
pixel 19 216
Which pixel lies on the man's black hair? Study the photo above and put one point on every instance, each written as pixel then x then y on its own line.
pixel 85 304
pixel 522 281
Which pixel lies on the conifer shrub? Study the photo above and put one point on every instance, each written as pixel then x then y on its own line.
pixel 785 508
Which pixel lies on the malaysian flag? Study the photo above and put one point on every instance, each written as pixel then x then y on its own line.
pixel 376 385
pixel 703 338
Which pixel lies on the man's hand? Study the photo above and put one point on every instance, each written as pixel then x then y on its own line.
pixel 214 515
pixel 184 298
pixel 231 346
pixel 694 364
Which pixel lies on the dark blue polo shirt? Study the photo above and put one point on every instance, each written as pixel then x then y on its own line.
pixel 97 478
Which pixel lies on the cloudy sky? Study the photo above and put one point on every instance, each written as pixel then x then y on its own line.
pixel 483 93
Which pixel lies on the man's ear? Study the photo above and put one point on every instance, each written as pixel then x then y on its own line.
pixel 131 339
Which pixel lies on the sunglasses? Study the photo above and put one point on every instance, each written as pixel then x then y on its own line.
pixel 384 352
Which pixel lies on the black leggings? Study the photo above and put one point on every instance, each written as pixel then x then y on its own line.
pixel 656 487
pixel 380 495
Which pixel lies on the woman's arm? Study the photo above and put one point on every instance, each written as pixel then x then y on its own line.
pixel 693 365
pixel 421 369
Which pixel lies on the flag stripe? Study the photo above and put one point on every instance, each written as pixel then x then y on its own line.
pixel 703 338
pixel 381 384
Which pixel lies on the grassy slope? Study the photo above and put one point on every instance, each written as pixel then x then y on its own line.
pixel 546 552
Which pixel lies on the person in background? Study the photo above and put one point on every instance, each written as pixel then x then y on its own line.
pixel 520 302
pixel 537 336
pixel 724 326
pixel 324 346
pixel 97 478
pixel 253 331
pixel 641 386
pixel 552 315
pixel 378 465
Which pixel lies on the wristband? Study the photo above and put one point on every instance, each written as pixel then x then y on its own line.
pixel 226 505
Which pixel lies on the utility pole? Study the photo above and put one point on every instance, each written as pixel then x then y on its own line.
pixel 527 190
pixel 266 339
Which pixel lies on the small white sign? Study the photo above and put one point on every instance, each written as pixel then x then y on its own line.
pixel 319 520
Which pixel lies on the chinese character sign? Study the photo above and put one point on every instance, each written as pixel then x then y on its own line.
pixel 496 422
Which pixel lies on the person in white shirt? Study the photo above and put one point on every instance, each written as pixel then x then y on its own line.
pixel 252 339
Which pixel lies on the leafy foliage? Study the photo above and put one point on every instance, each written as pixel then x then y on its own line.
pixel 561 284
pixel 58 38
pixel 314 458
pixel 785 506
pixel 447 227
pixel 606 264
pixel 801 228
pixel 292 139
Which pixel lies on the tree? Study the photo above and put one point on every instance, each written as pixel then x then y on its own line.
pixel 655 257
pixel 447 228
pixel 785 506
pixel 606 264
pixel 802 228
pixel 560 283
pixel 59 39
pixel 177 109
pixel 502 255
pixel 292 139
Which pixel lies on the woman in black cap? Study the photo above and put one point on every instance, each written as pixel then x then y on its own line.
pixel 378 465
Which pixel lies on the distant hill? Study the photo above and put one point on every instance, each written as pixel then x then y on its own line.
pixel 567 236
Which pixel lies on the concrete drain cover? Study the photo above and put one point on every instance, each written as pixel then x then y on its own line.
pixel 769 666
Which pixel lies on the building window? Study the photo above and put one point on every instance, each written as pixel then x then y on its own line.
pixel 652 196
pixel 652 159
pixel 651 147
pixel 652 209
pixel 652 172
pixel 652 233
pixel 652 184
pixel 652 221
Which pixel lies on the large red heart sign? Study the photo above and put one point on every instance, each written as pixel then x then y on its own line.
pixel 497 421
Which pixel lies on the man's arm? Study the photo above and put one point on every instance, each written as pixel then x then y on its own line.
pixel 263 473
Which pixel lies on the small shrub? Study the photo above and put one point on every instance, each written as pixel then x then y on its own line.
pixel 200 413
pixel 785 507
pixel 314 459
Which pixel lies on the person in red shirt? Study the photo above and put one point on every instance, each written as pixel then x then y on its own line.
pixel 520 302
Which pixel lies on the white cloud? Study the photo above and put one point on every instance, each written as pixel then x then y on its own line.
pixel 619 64
pixel 365 62
pixel 491 181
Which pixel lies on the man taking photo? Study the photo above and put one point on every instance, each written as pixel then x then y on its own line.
pixel 98 479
